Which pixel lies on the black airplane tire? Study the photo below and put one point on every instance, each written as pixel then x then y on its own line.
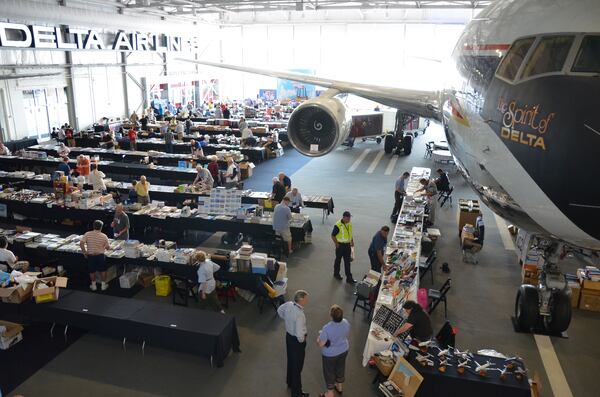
pixel 527 307
pixel 407 143
pixel 389 143
pixel 378 140
pixel 561 313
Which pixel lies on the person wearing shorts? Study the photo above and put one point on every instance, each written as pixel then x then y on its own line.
pixel 93 246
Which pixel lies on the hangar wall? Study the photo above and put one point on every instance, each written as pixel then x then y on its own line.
pixel 85 86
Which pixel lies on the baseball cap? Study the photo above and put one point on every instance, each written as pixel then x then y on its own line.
pixel 346 214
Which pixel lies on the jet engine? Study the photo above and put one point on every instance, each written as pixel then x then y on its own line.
pixel 319 125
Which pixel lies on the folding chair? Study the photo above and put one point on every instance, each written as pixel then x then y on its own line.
pixel 428 149
pixel 363 294
pixel 275 246
pixel 447 336
pixel 445 196
pixel 182 289
pixel 435 296
pixel 428 265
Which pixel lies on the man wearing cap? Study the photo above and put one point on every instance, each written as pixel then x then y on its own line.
pixel 343 240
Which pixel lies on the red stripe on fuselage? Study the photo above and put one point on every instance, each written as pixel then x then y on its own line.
pixel 486 47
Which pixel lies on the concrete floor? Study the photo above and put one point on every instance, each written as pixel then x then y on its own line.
pixel 481 302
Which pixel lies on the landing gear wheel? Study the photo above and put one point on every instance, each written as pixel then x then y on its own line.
pixel 378 140
pixel 389 143
pixel 527 307
pixel 407 144
pixel 561 313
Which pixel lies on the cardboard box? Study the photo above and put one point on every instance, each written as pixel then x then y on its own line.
pixel 529 274
pixel 50 293
pixel 11 336
pixel 590 300
pixel 16 294
pixel 246 170
pixel 467 214
pixel 575 293
pixel 406 377
pixel 587 284
pixel 145 280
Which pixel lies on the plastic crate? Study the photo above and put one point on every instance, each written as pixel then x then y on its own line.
pixel 128 280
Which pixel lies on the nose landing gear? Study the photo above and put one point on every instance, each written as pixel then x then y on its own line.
pixel 547 305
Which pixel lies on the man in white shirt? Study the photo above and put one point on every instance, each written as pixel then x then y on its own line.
pixel 179 129
pixel 61 134
pixel 96 179
pixel 232 174
pixel 295 339
pixel 63 150
pixel 206 279
pixel 295 199
pixel 204 176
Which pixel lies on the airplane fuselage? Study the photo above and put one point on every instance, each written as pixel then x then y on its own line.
pixel 527 136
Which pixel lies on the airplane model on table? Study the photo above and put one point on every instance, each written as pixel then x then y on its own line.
pixel 520 112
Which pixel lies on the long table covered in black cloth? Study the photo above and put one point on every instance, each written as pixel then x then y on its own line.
pixel 140 222
pixel 189 330
pixel 171 197
pixel 13 146
pixel 77 270
pixel 128 156
pixel 255 155
pixel 74 263
pixel 115 170
pixel 450 383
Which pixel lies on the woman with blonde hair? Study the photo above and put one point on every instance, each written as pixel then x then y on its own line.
pixel 206 279
pixel 333 341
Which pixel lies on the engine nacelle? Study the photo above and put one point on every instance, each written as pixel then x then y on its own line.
pixel 319 125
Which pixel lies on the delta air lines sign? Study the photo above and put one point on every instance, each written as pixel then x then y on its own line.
pixel 16 35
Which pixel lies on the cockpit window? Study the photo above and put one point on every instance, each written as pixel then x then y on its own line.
pixel 513 59
pixel 549 55
pixel 588 56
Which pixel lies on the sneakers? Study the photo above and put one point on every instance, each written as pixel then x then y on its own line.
pixel 93 287
pixel 104 286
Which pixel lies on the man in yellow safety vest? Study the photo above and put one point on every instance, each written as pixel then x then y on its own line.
pixel 343 240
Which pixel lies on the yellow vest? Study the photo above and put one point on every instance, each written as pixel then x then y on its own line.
pixel 344 232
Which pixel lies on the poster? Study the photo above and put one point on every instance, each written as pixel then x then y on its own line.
pixel 267 94
pixel 287 89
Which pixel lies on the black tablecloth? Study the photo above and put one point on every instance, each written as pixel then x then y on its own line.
pixel 451 383
pixel 139 222
pixel 185 329
pixel 171 197
pixel 254 155
pixel 115 170
pixel 13 146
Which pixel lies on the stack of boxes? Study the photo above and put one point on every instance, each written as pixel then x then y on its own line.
pixel 589 279
pixel 259 263
pixel 468 211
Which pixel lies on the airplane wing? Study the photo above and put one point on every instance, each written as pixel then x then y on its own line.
pixel 423 103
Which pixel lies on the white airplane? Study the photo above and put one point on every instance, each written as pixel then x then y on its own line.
pixel 483 367
pixel 520 112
